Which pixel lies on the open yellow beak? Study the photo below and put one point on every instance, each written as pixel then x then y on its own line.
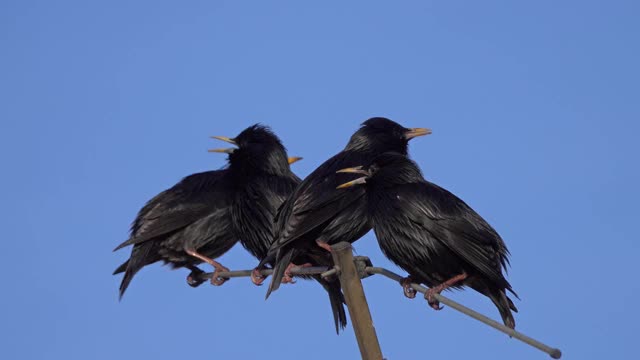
pixel 415 132
pixel 225 139
pixel 293 159
pixel 358 181
pixel 354 170
pixel 225 150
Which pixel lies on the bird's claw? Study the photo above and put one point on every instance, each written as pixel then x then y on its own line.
pixel 217 280
pixel 435 304
pixel 288 276
pixel 288 279
pixel 194 280
pixel 257 278
pixel 407 289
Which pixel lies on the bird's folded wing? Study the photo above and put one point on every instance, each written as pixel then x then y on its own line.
pixel 314 211
pixel 173 209
pixel 459 228
pixel 316 201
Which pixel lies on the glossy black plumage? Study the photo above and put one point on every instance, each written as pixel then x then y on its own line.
pixel 317 212
pixel 208 212
pixel 195 214
pixel 260 188
pixel 192 215
pixel 432 234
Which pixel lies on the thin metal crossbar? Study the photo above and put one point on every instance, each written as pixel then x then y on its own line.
pixel 362 263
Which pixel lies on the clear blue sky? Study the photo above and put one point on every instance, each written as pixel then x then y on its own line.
pixel 535 112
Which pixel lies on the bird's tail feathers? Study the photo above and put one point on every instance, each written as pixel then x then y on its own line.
pixel 267 260
pixel 129 241
pixel 336 298
pixel 140 257
pixel 122 268
pixel 514 294
pixel 281 263
pixel 504 305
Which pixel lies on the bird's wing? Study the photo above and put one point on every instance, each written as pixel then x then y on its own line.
pixel 315 202
pixel 189 200
pixel 458 227
pixel 315 211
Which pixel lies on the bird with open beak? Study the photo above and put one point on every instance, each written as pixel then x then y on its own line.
pixel 290 159
pixel 204 215
pixel 317 215
pixel 192 222
pixel 432 234
pixel 260 186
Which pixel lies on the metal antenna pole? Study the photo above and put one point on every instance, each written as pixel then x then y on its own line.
pixel 356 302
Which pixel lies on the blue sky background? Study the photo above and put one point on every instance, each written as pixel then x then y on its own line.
pixel 535 112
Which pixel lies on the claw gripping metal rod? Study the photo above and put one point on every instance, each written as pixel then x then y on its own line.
pixel 364 268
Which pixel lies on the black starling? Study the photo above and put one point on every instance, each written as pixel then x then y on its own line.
pixel 432 234
pixel 317 215
pixel 259 188
pixel 237 203
pixel 191 222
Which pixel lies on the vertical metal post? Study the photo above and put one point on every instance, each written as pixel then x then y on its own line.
pixel 356 302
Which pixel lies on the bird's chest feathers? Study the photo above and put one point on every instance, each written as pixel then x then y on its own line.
pixel 396 228
pixel 388 203
pixel 388 216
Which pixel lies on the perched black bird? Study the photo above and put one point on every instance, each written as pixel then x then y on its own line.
pixel 432 234
pixel 317 215
pixel 191 222
pixel 260 186
pixel 200 218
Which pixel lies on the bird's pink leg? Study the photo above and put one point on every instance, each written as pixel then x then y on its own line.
pixel 288 277
pixel 438 289
pixel 324 245
pixel 215 279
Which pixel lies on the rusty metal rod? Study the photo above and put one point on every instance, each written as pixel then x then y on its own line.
pixel 553 352
pixel 356 302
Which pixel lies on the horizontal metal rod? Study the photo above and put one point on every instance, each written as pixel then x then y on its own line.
pixel 553 352
pixel 330 272
pixel 296 271
pixel 326 271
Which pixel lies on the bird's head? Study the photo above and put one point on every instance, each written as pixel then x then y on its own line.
pixel 387 169
pixel 257 147
pixel 380 135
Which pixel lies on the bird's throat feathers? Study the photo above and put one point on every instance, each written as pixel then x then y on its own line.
pixel 393 169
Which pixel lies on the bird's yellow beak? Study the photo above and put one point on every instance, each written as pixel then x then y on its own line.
pixel 293 159
pixel 358 181
pixel 354 170
pixel 225 150
pixel 225 139
pixel 415 132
